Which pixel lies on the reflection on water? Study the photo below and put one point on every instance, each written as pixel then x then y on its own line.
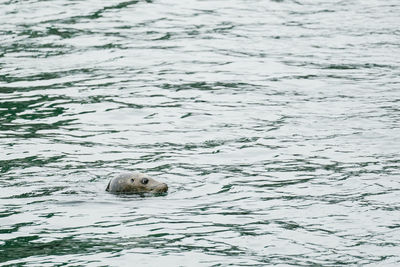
pixel 274 123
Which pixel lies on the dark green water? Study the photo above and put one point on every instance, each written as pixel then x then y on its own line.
pixel 276 125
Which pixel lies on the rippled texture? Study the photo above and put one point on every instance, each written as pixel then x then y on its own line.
pixel 274 123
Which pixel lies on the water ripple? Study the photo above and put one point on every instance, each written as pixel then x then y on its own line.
pixel 274 123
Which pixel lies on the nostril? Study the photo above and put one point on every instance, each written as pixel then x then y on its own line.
pixel 161 188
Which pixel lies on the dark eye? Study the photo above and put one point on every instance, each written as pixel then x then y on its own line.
pixel 145 181
pixel 132 180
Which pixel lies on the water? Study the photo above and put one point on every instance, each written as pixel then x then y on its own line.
pixel 274 123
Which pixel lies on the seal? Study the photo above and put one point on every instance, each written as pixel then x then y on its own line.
pixel 129 183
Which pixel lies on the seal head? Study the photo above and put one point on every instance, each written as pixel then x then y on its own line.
pixel 135 183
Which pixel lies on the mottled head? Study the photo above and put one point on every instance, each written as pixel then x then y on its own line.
pixel 135 183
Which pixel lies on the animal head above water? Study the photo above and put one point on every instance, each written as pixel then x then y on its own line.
pixel 131 183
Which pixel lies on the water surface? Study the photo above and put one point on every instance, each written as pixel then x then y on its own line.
pixel 274 123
